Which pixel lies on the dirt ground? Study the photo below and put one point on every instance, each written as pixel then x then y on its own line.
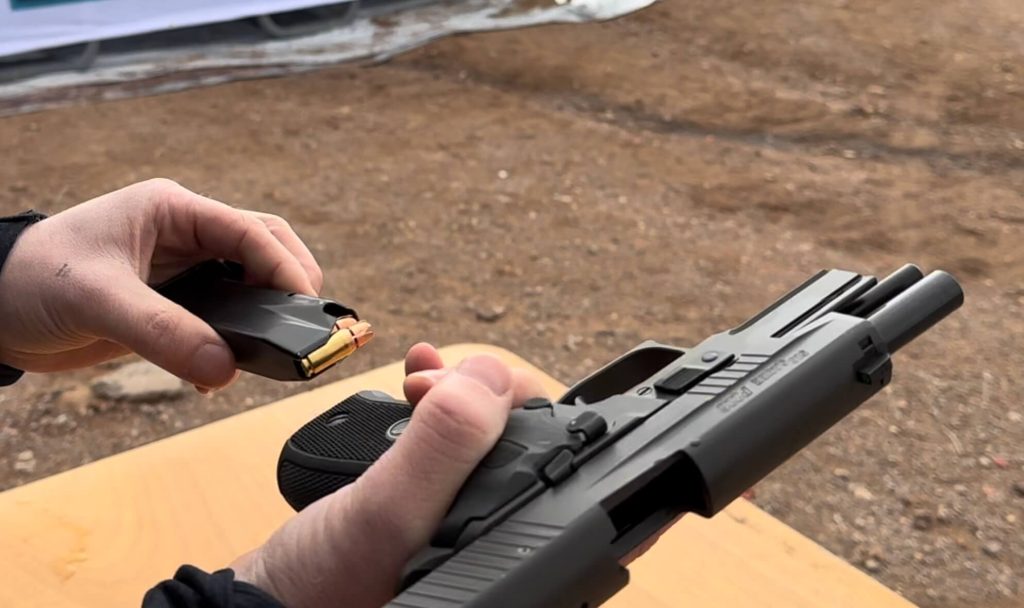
pixel 661 176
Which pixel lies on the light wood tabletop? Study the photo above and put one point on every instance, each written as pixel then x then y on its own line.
pixel 101 534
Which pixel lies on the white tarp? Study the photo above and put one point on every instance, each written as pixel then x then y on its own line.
pixel 30 25
pixel 142 72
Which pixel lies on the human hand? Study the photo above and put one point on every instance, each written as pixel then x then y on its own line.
pixel 349 548
pixel 75 289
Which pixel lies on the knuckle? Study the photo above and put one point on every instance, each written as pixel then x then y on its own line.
pixel 262 234
pixel 161 182
pixel 238 221
pixel 258 224
pixel 318 277
pixel 458 431
pixel 161 192
pixel 275 222
pixel 160 187
pixel 161 324
pixel 161 327
pixel 253 223
pixel 247 229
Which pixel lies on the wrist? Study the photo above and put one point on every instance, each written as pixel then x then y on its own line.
pixel 11 229
pixel 250 569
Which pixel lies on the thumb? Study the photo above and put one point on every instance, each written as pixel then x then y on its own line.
pixel 139 318
pixel 453 427
pixel 393 509
pixel 349 548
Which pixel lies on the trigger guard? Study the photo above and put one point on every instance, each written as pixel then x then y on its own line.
pixel 624 375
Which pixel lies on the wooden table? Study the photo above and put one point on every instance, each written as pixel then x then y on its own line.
pixel 101 534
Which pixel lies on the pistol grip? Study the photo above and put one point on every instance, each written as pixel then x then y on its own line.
pixel 335 448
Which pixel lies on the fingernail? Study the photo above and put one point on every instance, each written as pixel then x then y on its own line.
pixel 487 371
pixel 431 374
pixel 233 379
pixel 209 363
pixel 204 391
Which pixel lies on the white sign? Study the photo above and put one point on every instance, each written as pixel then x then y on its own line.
pixel 32 25
pixel 153 71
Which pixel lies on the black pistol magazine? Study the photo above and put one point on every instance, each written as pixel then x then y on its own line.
pixel 573 486
pixel 279 335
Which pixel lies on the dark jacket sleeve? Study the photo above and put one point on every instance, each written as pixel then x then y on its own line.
pixel 10 229
pixel 193 588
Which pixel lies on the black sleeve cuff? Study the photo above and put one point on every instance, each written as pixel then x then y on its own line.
pixel 10 229
pixel 193 588
pixel 9 375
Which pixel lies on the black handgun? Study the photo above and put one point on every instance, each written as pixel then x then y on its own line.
pixel 573 486
pixel 272 333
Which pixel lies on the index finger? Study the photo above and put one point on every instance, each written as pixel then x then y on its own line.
pixel 283 232
pixel 224 232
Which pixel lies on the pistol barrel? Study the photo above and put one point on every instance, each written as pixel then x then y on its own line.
pixel 917 308
pixel 885 290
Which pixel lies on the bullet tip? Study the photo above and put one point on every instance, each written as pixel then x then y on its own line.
pixel 362 332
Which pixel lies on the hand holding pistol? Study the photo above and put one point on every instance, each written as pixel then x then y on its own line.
pixel 574 485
